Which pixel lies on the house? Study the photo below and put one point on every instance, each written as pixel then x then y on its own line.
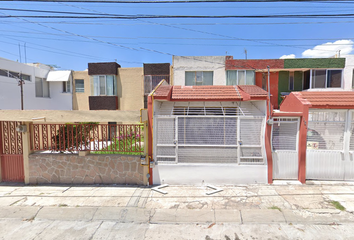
pixel 43 88
pixel 286 75
pixel 207 134
pixel 313 136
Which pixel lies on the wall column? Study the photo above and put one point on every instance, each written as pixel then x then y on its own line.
pixel 26 148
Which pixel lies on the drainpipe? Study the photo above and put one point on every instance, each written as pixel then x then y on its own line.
pixel 270 120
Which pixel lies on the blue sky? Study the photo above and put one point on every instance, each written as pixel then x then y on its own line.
pixel 73 43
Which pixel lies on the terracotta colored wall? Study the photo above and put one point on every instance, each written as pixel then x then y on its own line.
pixel 234 64
pixel 273 86
pixel 91 169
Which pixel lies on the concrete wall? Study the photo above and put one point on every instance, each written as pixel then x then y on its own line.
pixel 181 64
pixel 130 89
pixel 10 97
pixel 80 99
pixel 130 83
pixel 90 169
pixel 70 116
pixel 348 73
pixel 220 174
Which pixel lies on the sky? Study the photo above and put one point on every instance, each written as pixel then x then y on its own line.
pixel 72 43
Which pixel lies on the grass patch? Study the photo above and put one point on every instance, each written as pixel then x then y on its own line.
pixel 338 206
pixel 130 143
pixel 275 208
pixel 63 205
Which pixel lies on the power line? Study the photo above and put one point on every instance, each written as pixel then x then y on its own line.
pixel 138 16
pixel 181 1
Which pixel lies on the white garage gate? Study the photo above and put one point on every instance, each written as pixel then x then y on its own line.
pixel 330 145
pixel 218 142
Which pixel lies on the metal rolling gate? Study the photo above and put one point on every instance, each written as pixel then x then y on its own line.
pixel 11 152
pixel 209 135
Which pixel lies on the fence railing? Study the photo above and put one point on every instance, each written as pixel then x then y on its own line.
pixel 97 138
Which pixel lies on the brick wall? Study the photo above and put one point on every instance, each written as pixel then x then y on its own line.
pixel 90 169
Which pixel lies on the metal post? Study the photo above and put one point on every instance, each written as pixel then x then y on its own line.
pixel 269 121
pixel 20 83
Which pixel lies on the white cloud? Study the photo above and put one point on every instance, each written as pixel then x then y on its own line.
pixel 287 56
pixel 330 49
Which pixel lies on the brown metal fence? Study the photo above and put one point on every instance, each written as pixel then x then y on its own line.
pixel 100 138
pixel 11 152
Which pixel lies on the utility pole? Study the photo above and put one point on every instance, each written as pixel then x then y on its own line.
pixel 245 53
pixel 20 83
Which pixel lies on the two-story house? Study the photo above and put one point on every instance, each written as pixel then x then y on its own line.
pixel 43 88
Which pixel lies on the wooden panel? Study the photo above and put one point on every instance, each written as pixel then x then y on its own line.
pixel 12 168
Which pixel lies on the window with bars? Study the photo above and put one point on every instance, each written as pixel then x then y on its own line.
pixel 284 134
pixel 326 130
pixel 79 85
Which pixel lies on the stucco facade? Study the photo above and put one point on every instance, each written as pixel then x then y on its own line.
pixel 130 89
pixel 10 95
pixel 181 64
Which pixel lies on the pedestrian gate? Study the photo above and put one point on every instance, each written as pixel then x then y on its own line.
pixel 11 152
pixel 285 148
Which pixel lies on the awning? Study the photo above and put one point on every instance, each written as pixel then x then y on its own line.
pixel 58 76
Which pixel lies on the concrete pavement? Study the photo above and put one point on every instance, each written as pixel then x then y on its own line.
pixel 284 211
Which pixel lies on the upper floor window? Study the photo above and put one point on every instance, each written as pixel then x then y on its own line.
pixel 326 78
pixel 151 81
pixel 67 86
pixel 42 87
pixel 199 78
pixel 240 77
pixel 79 85
pixel 104 85
pixel 15 75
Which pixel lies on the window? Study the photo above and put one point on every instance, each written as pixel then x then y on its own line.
pixel 104 85
pixel 42 87
pixel 291 81
pixel 26 77
pixel 240 77
pixel 199 78
pixel 15 75
pixel 151 81
pixel 67 86
pixel 79 85
pixel 326 78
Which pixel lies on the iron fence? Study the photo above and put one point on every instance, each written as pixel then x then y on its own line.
pixel 97 138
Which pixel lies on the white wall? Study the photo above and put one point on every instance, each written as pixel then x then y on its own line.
pixel 10 95
pixel 198 63
pixel 348 72
pixel 219 174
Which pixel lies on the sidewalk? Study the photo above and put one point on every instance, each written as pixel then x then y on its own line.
pixel 238 204
pixel 276 209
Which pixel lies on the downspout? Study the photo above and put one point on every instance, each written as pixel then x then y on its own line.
pixel 270 120
pixel 267 139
